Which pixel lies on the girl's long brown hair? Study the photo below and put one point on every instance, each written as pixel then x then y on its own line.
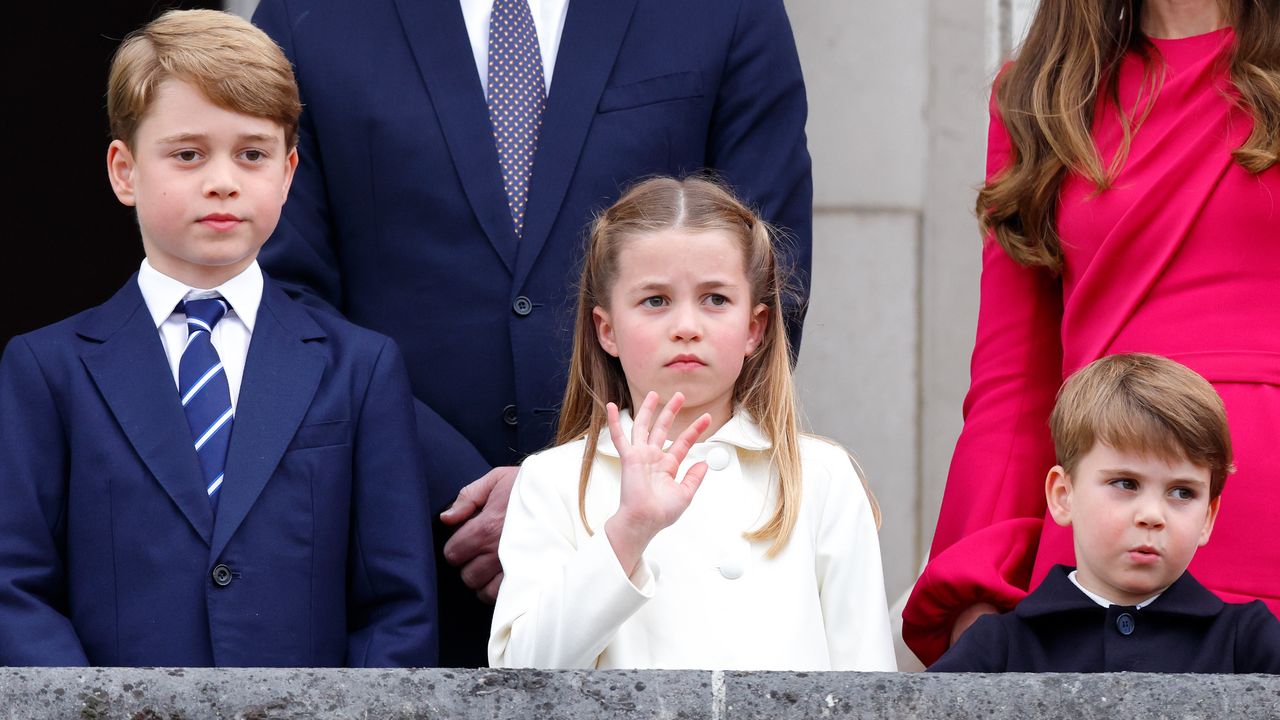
pixel 1048 95
pixel 764 386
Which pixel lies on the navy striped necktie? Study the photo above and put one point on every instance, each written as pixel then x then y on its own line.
pixel 517 97
pixel 206 397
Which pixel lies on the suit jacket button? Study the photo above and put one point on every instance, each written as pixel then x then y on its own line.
pixel 510 416
pixel 522 306
pixel 1125 624
pixel 221 575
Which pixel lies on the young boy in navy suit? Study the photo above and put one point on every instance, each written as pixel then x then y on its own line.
pixel 202 471
pixel 1144 451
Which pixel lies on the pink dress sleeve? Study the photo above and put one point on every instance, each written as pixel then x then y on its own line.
pixel 993 508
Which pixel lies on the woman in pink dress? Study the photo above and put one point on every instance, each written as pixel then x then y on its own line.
pixel 1132 203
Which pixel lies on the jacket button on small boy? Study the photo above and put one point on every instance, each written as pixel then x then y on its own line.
pixel 510 416
pixel 1125 624
pixel 221 575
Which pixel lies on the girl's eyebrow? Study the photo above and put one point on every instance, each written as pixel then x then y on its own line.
pixel 704 285
pixel 651 285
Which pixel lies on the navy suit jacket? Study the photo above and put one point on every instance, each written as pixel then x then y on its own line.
pixel 108 544
pixel 1057 628
pixel 397 217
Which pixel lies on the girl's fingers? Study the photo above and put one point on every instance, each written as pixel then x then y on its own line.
pixel 615 428
pixel 693 480
pixel 686 440
pixel 665 418
pixel 644 419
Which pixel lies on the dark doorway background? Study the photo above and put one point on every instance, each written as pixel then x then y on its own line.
pixel 68 243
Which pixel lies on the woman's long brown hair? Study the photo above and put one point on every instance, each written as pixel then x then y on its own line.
pixel 764 386
pixel 1048 95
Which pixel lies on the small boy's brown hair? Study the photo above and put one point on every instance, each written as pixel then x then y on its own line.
pixel 1144 404
pixel 234 64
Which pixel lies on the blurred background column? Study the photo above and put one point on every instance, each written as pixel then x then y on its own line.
pixel 897 129
pixel 898 98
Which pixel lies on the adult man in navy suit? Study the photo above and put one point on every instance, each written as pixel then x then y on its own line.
pixel 401 216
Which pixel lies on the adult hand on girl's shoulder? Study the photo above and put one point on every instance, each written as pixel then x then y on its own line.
pixel 651 499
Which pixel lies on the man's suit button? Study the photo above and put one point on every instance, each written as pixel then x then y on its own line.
pixel 1125 624
pixel 522 306
pixel 221 575
pixel 510 416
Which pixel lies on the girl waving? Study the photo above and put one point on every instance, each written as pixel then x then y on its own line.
pixel 739 544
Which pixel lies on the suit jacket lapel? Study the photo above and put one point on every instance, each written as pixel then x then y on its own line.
pixel 280 379
pixel 438 37
pixel 130 370
pixel 593 33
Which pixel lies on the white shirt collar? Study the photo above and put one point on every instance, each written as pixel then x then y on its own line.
pixel 162 293
pixel 741 430
pixel 1101 600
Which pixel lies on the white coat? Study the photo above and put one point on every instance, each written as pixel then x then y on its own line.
pixel 702 596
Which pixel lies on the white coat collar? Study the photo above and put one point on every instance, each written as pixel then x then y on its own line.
pixel 741 431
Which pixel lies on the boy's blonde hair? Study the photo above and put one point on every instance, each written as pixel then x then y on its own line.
pixel 1144 404
pixel 226 58
pixel 764 386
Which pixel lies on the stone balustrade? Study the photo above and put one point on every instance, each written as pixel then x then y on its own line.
pixel 259 694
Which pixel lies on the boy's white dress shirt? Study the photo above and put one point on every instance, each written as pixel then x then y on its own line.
pixel 702 596
pixel 1104 602
pixel 230 337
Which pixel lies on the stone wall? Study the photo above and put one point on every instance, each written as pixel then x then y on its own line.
pixel 177 694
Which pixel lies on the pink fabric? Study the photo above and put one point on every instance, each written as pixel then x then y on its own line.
pixel 1181 257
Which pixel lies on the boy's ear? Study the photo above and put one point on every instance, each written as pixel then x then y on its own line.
pixel 759 323
pixel 291 164
pixel 1057 492
pixel 1210 518
pixel 120 165
pixel 604 330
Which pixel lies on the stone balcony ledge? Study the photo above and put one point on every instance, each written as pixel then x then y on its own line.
pixel 260 694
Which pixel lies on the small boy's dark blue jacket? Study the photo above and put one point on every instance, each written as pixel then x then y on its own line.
pixel 1057 628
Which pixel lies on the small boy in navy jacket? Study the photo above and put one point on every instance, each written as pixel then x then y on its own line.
pixel 202 471
pixel 1144 452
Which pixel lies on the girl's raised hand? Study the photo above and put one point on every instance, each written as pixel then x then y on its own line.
pixel 651 499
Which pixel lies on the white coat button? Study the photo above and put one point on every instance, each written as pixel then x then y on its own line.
pixel 731 568
pixel 718 459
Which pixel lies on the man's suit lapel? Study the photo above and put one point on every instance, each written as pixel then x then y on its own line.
pixel 593 33
pixel 129 367
pixel 438 37
pixel 281 376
